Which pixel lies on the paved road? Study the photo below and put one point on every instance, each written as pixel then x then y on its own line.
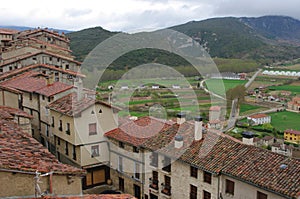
pixel 252 78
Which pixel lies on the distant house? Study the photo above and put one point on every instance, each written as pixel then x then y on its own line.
pixel 124 87
pixel 214 113
pixel 286 93
pixel 175 86
pixel 258 119
pixel 268 140
pixel 155 87
pixel 282 149
pixel 294 105
pixel 291 135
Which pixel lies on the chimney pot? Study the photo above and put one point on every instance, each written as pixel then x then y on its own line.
pixel 198 128
pixel 181 118
pixel 178 141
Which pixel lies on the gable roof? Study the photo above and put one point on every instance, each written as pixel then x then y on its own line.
pixel 71 106
pixel 219 154
pixel 28 82
pixel 138 131
pixel 19 71
pixel 20 152
pixel 260 115
pixel 8 113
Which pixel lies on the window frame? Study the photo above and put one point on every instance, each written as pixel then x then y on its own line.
pixel 92 130
pixel 194 172
pixel 229 187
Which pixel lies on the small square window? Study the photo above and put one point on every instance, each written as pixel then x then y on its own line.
pixel 135 149
pixel 229 187
pixel 95 151
pixel 261 195
pixel 121 145
pixel 93 129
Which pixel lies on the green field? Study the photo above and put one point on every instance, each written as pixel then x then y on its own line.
pixel 294 89
pixel 216 86
pixel 285 120
pixel 249 109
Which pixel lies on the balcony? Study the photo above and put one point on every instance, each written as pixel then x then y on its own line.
pixel 166 190
pixel 154 184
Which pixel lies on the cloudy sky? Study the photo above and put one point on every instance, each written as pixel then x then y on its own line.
pixel 134 15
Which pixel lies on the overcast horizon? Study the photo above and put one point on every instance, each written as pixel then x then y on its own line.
pixel 135 15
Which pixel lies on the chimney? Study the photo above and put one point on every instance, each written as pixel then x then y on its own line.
pixel 181 118
pixel 248 137
pixel 178 141
pixel 79 85
pixel 198 128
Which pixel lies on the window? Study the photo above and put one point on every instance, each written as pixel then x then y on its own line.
pixel 33 58
pixel 52 122
pixel 30 96
pixel 207 177
pixel 50 58
pixel 137 170
pixel 154 180
pixel 68 129
pixel 47 130
pixel 67 67
pixel 10 68
pixel 43 97
pixel 229 187
pixel 92 129
pixel 261 195
pixel 74 152
pixel 194 172
pixel 60 125
pixel 135 149
pixel 206 195
pixel 154 159
pixel 166 164
pixel 49 99
pixel 121 145
pixel 1 70
pixel 121 184
pixel 193 192
pixel 95 151
pixel 58 141
pixel 120 164
pixel 167 186
pixel 67 149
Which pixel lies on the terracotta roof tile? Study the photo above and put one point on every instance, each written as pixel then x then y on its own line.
pixel 94 196
pixel 292 131
pixel 138 131
pixel 5 110
pixel 261 115
pixel 19 71
pixel 219 154
pixel 21 152
pixel 30 83
pixel 215 108
pixel 71 106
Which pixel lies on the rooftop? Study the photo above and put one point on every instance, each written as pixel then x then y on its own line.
pixel 9 113
pixel 292 131
pixel 94 196
pixel 217 153
pixel 256 116
pixel 20 152
pixel 71 106
pixel 138 131
pixel 31 82
pixel 215 108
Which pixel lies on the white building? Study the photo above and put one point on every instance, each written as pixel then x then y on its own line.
pixel 258 119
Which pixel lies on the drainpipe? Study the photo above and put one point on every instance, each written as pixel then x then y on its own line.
pixel 50 183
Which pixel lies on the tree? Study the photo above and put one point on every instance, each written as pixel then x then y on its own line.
pixel 238 92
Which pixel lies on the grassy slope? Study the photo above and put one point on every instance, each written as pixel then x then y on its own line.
pixel 285 120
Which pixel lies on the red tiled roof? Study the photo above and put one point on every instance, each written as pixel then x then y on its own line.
pixel 21 152
pixel 29 83
pixel 36 66
pixel 292 131
pixel 71 106
pixel 13 112
pixel 94 196
pixel 7 31
pixel 261 115
pixel 215 108
pixel 41 52
pixel 219 154
pixel 56 35
pixel 138 131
